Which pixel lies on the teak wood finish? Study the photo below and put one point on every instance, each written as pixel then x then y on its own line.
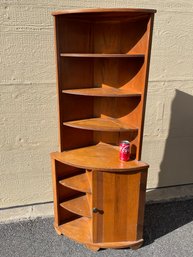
pixel 102 58
pixel 103 92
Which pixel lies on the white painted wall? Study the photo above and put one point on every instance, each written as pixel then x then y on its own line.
pixel 28 112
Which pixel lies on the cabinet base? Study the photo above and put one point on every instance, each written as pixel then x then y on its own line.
pixel 134 245
pixel 58 231
pixel 92 247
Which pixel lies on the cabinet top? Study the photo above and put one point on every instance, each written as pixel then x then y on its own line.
pixel 102 157
pixel 103 10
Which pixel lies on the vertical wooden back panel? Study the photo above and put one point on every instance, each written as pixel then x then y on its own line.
pixel 121 35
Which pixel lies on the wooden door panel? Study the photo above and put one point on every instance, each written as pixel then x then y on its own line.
pixel 118 201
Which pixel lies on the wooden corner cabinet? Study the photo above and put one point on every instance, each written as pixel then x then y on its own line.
pixel 102 58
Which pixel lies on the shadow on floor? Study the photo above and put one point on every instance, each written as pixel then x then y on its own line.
pixel 176 168
pixel 163 218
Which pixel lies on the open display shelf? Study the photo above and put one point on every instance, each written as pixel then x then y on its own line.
pixel 102 58
pixel 102 55
pixel 78 205
pixel 103 92
pixel 78 182
pixel 100 124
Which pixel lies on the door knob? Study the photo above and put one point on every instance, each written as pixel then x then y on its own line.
pixel 95 210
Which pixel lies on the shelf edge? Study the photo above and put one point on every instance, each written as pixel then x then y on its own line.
pixel 103 10
pixel 96 55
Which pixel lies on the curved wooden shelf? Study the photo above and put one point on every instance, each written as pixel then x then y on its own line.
pixel 77 182
pixel 102 157
pixel 78 230
pixel 100 124
pixel 87 55
pixel 78 205
pixel 103 92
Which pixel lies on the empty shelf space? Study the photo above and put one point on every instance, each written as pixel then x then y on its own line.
pixel 100 124
pixel 78 205
pixel 102 55
pixel 98 157
pixel 78 229
pixel 103 92
pixel 77 182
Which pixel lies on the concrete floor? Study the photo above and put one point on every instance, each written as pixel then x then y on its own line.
pixel 168 232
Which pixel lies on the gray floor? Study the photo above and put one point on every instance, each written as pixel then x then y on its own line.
pixel 168 232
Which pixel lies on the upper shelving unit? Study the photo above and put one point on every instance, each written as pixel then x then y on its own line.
pixel 102 72
pixel 98 157
pixel 95 55
pixel 103 92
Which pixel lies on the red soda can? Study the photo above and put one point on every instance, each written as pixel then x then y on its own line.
pixel 124 150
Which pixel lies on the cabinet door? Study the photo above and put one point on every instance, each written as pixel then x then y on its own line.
pixel 118 205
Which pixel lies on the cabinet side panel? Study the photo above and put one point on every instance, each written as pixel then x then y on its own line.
pixel 145 82
pixel 60 193
pixel 142 197
pixel 117 197
pixel 57 58
pixel 55 194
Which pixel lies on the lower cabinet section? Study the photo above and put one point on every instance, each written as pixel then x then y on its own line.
pixel 99 208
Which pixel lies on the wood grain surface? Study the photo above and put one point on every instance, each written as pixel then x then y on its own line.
pixel 102 69
pixel 103 92
pixel 101 124
pixel 98 157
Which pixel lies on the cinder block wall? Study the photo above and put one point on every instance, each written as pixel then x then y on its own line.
pixel 28 108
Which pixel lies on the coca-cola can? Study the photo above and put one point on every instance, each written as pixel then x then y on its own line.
pixel 124 150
